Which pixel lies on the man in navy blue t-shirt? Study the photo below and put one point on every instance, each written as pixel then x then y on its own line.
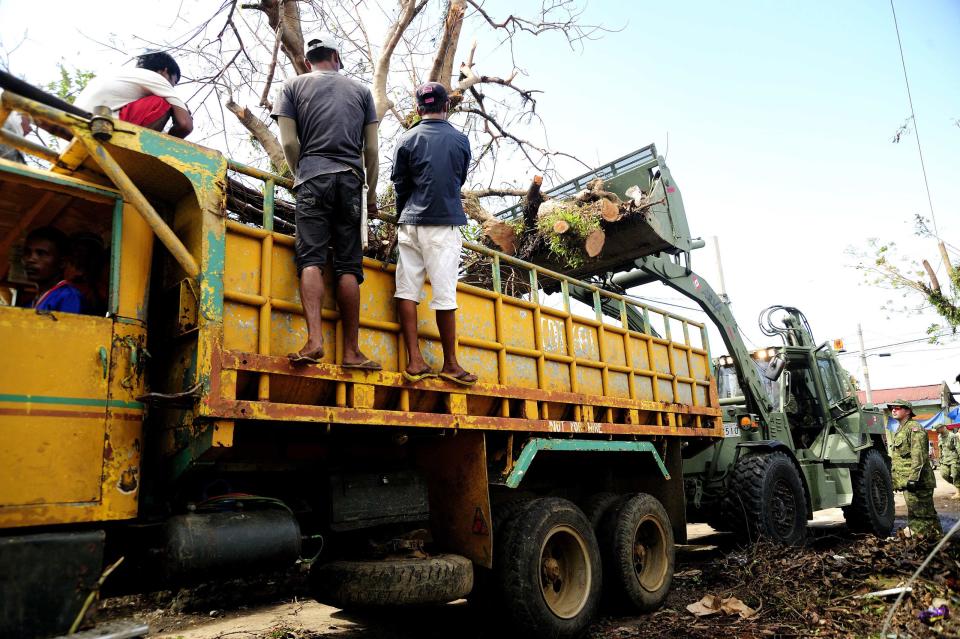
pixel 429 168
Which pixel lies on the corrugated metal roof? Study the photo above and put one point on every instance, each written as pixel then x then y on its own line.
pixel 907 393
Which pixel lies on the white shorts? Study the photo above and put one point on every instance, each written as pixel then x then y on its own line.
pixel 429 251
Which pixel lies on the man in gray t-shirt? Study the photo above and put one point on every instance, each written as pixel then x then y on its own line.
pixel 328 130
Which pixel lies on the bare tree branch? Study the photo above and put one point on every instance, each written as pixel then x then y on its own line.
pixel 409 10
pixel 258 129
pixel 265 96
pixel 284 17
pixel 442 70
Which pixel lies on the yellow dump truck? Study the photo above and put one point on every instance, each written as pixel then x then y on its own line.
pixel 173 431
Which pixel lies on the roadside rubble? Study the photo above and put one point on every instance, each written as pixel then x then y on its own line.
pixel 831 588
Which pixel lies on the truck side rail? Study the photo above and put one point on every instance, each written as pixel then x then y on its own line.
pixel 590 374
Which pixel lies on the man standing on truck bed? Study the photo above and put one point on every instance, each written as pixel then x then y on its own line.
pixel 429 168
pixel 328 130
pixel 912 472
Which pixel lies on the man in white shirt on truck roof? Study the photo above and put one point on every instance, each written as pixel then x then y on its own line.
pixel 143 95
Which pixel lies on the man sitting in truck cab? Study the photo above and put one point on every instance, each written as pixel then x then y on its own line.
pixel 83 268
pixel 44 253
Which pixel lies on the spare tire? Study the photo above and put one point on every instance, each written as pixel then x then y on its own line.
pixel 392 582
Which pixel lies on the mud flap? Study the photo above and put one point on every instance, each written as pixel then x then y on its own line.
pixel 456 472
pixel 44 580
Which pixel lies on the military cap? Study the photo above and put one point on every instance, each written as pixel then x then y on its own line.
pixel 904 403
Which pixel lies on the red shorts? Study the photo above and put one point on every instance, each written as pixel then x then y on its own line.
pixel 145 111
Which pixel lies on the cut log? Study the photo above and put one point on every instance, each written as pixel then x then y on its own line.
pixel 594 244
pixel 561 226
pixel 609 211
pixel 501 234
pixel 532 202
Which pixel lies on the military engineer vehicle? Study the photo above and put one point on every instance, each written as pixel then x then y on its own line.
pixel 796 438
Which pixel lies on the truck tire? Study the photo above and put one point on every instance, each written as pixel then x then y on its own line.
pixel 486 595
pixel 636 543
pixel 872 508
pixel 596 506
pixel 765 499
pixel 549 571
pixel 392 582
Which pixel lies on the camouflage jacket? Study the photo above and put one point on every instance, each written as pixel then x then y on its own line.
pixel 950 449
pixel 911 456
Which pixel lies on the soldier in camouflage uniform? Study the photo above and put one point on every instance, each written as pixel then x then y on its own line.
pixel 949 443
pixel 912 472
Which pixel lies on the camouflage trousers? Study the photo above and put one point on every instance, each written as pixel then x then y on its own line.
pixel 921 515
pixel 951 472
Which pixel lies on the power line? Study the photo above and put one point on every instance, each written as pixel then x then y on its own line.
pixel 913 116
pixel 909 341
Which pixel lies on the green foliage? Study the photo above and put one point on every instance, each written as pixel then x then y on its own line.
pixel 472 232
pixel 883 267
pixel 70 84
pixel 568 247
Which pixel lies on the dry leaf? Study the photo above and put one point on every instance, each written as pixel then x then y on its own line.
pixel 709 605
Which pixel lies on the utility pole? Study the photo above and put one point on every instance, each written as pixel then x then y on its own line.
pixel 866 371
pixel 723 286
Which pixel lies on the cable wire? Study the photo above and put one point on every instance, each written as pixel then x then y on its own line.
pixel 916 129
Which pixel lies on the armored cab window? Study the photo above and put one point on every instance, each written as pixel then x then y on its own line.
pixel 831 381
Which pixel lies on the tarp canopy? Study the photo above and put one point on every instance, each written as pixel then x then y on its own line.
pixel 948 417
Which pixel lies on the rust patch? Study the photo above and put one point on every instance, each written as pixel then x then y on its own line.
pixel 128 481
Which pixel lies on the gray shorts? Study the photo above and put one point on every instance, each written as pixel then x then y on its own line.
pixel 328 216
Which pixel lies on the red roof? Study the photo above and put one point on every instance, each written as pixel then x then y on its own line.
pixel 907 393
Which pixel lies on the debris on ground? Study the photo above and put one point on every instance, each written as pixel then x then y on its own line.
pixel 712 604
pixel 817 590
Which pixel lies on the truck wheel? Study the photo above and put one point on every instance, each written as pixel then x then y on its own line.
pixel 765 499
pixel 596 506
pixel 550 570
pixel 392 582
pixel 486 596
pixel 872 508
pixel 636 540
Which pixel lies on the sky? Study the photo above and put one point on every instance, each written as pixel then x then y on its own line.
pixel 776 120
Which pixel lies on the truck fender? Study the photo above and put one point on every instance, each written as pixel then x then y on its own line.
pixel 770 445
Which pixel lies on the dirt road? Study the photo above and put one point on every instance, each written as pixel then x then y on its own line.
pixel 283 610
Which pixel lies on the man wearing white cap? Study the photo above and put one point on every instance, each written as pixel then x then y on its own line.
pixel 328 130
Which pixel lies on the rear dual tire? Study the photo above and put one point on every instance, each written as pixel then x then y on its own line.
pixel 549 569
pixel 636 541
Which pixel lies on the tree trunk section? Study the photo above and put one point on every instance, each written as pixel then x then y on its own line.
pixel 594 244
pixel 609 211
pixel 531 203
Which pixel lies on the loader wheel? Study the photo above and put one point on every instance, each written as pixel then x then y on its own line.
pixel 550 571
pixel 392 582
pixel 872 508
pixel 636 542
pixel 765 499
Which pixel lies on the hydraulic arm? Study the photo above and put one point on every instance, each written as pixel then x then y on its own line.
pixel 678 276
